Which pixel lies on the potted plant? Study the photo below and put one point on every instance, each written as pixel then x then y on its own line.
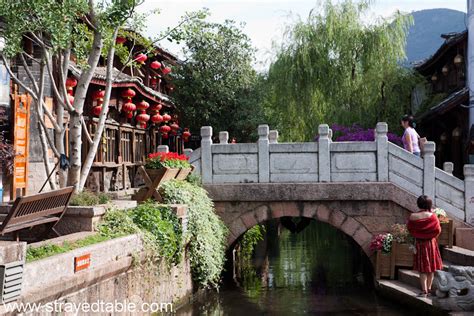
pixel 402 248
pixel 447 228
pixel 382 244
pixel 170 165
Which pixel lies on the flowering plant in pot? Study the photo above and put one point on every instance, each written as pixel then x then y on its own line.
pixel 442 216
pixel 382 244
pixel 170 160
pixel 447 228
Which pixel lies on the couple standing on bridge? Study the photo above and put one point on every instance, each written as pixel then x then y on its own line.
pixel 425 227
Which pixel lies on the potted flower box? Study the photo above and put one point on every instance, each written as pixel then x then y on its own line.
pixel 446 236
pixel 381 243
pixel 382 265
pixel 159 168
pixel 447 228
pixel 402 256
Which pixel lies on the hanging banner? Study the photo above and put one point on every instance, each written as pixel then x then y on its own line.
pixel 20 144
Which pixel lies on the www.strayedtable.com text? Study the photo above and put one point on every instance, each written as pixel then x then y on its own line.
pixel 116 306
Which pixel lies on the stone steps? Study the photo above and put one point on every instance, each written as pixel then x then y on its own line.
pixel 399 291
pixel 412 277
pixel 458 256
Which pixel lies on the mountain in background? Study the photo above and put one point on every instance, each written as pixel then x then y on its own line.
pixel 424 36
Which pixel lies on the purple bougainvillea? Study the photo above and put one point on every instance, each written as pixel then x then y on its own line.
pixel 356 133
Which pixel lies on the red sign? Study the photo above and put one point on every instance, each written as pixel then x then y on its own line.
pixel 82 262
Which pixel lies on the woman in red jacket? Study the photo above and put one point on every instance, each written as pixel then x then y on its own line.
pixel 425 227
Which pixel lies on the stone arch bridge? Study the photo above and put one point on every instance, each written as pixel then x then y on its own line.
pixel 361 188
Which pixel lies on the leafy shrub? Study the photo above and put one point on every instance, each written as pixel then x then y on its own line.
pixel 194 179
pixel 88 198
pixel 207 233
pixel 164 225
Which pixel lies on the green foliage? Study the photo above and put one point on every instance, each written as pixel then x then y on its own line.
pixel 334 68
pixel 163 224
pixel 250 239
pixel 207 233
pixel 194 179
pixel 48 250
pixel 217 85
pixel 88 198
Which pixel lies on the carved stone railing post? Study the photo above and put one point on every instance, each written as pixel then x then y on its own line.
pixel 206 154
pixel 273 137
pixel 448 167
pixel 429 170
pixel 163 149
pixel 263 154
pixel 330 134
pixel 223 137
pixel 382 151
pixel 324 154
pixel 187 151
pixel 469 193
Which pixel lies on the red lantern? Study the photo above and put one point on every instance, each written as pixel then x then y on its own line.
pixel 120 40
pixel 99 94
pixel 143 118
pixel 157 118
pixel 153 81
pixel 129 115
pixel 128 107
pixel 128 94
pixel 141 58
pixel 166 70
pixel 174 127
pixel 166 117
pixel 143 105
pixel 164 135
pixel 96 110
pixel 165 129
pixel 156 108
pixel 71 82
pixel 155 64
pixel 186 134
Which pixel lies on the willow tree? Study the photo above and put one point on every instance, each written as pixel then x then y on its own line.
pixel 334 67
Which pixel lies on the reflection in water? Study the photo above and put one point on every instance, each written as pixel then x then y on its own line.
pixel 317 271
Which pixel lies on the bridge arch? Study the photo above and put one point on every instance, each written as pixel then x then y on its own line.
pixel 313 210
pixel 360 210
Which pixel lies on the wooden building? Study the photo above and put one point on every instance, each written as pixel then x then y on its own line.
pixel 126 139
pixel 441 106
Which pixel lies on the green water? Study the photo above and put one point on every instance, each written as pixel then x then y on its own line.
pixel 319 271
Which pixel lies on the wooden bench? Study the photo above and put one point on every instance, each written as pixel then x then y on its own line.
pixel 29 211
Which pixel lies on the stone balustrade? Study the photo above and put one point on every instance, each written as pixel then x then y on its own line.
pixel 269 161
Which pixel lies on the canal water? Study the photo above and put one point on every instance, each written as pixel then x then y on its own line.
pixel 318 271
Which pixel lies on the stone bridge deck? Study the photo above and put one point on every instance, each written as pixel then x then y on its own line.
pixel 323 165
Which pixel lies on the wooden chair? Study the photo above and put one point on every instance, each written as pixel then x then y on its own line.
pixel 29 211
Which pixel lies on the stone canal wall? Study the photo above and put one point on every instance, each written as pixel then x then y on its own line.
pixel 118 272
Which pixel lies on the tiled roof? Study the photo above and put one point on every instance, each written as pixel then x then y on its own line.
pixel 451 101
pixel 451 39
pixel 122 79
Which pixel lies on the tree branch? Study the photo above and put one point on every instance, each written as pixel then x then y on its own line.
pixel 15 78
pixel 86 132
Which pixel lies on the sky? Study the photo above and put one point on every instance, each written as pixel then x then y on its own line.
pixel 265 20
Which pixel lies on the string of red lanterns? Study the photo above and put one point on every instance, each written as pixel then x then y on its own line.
pixel 98 96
